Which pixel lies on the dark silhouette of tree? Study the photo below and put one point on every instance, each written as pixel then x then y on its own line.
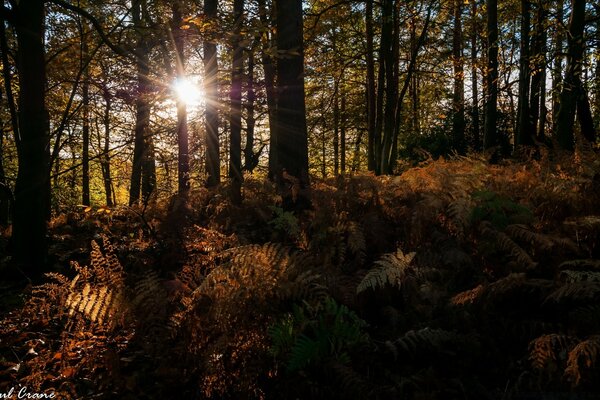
pixel 490 138
pixel 211 91
pixel 292 144
pixel 458 98
pixel 572 86
pixel 183 157
pixel 235 112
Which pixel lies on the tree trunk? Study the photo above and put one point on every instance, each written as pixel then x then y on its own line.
pixel 572 85
pixel 268 64
pixel 371 98
pixel 490 138
pixel 143 149
pixel 85 132
pixel 557 70
pixel 183 157
pixel 474 81
pixel 32 196
pixel 211 92
pixel 292 141
pixel 539 68
pixel 336 129
pixel 584 114
pixel 388 45
pixel 458 98
pixel 235 113
pixel 105 160
pixel 343 120
pixel 523 135
pixel 250 159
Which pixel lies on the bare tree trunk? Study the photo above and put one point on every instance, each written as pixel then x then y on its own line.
pixel 474 81
pixel 292 140
pixel 490 138
pixel 143 177
pixel 235 114
pixel 85 99
pixel 458 98
pixel 572 85
pixel 524 134
pixel 371 99
pixel 343 121
pixel 250 159
pixel 557 70
pixel 105 160
pixel 183 157
pixel 539 67
pixel 32 195
pixel 268 64
pixel 211 91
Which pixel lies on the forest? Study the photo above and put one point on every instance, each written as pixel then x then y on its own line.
pixel 300 199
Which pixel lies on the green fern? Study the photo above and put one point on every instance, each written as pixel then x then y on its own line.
pixel 391 269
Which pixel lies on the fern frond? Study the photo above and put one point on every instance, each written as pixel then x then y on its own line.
pixel 391 268
pixel 506 244
pixel 579 265
pixel 575 292
pixel 582 361
pixel 468 296
pixel 551 348
pixel 425 340
pixel 569 276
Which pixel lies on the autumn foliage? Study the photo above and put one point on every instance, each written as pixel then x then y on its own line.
pixel 455 279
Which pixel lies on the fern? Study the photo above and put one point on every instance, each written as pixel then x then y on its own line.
pixel 575 292
pixel 425 340
pixel 582 361
pixel 548 351
pixel 506 244
pixel 391 269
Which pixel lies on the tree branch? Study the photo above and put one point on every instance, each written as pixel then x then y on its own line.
pixel 97 26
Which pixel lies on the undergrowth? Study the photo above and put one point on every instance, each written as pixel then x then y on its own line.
pixel 456 279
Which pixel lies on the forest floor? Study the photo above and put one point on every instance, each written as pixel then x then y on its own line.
pixel 455 279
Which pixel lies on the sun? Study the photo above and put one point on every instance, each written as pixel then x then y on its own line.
pixel 187 91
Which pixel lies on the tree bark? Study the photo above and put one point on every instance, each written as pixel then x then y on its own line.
pixel 292 141
pixel 523 135
pixel 537 99
pixel 474 81
pixel 32 195
pixel 183 157
pixel 85 132
pixel 211 92
pixel 557 69
pixel 143 176
pixel 572 85
pixel 235 114
pixel 250 159
pixel 458 98
pixel 371 98
pixel 490 138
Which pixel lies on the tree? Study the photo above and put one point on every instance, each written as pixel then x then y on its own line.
pixel 458 99
pixel 32 194
pixel 183 157
pixel 211 91
pixel 143 175
pixel 490 138
pixel 474 81
pixel 572 85
pixel 371 98
pixel 292 142
pixel 524 134
pixel 235 112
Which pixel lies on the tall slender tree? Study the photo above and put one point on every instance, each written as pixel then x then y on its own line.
pixel 490 138
pixel 524 134
pixel 235 113
pixel 183 157
pixel 458 98
pixel 211 91
pixel 572 85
